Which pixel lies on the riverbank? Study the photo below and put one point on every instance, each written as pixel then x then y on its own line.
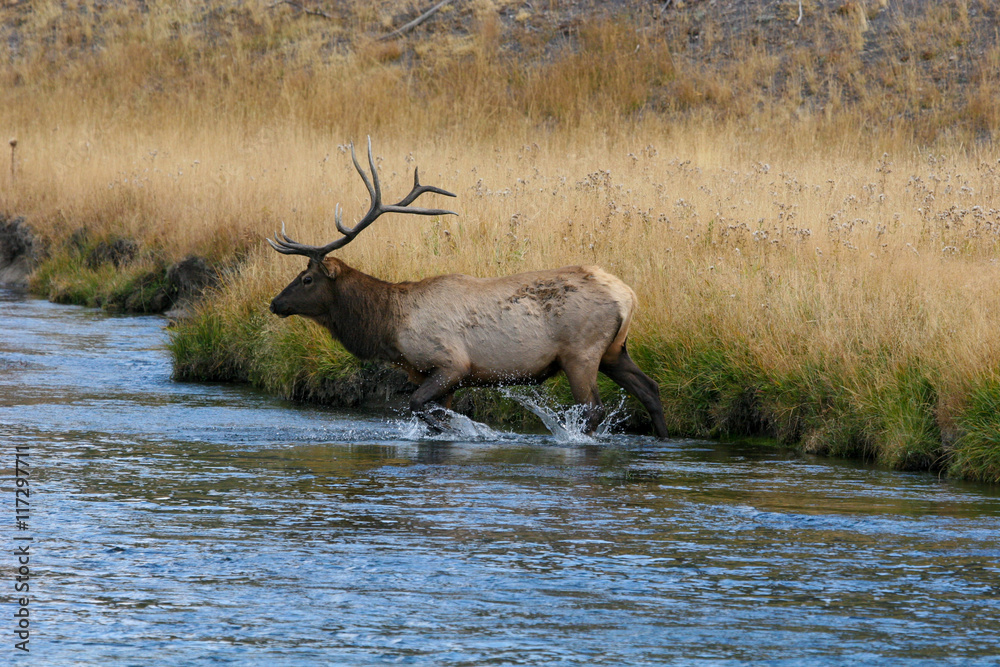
pixel 867 336
pixel 808 211
pixel 113 275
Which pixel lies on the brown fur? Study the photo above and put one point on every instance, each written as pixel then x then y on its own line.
pixel 454 331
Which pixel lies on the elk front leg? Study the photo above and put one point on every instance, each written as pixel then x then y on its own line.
pixel 439 385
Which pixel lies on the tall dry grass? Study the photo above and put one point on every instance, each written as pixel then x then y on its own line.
pixel 781 296
pixel 816 259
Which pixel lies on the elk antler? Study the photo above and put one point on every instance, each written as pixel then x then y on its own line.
pixel 290 247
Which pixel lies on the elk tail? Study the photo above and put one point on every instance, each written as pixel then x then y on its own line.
pixel 626 307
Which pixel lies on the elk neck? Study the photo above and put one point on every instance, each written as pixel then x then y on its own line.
pixel 364 313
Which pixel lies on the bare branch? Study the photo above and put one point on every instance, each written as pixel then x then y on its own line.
pixel 402 30
pixel 13 160
pixel 298 6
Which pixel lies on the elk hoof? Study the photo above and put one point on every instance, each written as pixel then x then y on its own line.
pixel 438 419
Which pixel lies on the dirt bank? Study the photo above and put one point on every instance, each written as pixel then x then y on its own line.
pixel 19 251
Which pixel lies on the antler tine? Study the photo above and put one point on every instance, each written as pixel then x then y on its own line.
pixel 421 189
pixel 374 191
pixel 339 222
pixel 376 209
pixel 377 199
pixel 284 235
pixel 364 176
pixel 278 244
pixel 290 247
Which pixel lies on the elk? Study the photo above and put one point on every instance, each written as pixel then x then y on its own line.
pixel 453 331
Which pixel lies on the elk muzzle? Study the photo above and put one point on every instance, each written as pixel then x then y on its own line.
pixel 278 308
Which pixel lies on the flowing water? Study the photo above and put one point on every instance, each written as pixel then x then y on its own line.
pixel 188 524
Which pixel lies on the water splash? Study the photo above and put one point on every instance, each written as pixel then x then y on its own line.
pixel 565 423
pixel 459 427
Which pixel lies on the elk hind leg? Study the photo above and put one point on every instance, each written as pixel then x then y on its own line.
pixel 582 376
pixel 627 375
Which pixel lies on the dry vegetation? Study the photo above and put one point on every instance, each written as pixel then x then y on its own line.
pixel 808 214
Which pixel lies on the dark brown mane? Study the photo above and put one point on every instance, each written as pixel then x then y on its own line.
pixel 363 313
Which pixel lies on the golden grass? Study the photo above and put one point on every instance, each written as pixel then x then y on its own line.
pixel 810 270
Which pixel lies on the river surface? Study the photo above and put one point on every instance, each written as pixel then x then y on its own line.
pixel 204 524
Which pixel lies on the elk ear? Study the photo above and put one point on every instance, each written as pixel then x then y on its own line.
pixel 330 267
pixel 318 266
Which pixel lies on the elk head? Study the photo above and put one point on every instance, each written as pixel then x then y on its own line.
pixel 311 292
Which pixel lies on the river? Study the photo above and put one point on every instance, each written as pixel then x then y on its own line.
pixel 205 524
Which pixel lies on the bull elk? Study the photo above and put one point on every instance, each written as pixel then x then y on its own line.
pixel 456 331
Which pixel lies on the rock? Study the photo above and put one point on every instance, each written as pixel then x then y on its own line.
pixel 191 276
pixel 120 253
pixel 148 295
pixel 78 240
pixel 186 280
pixel 19 249
pixel 373 385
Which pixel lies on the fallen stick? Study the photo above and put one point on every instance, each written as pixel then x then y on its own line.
pixel 298 6
pixel 403 29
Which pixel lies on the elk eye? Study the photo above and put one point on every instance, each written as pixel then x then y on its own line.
pixel 307 280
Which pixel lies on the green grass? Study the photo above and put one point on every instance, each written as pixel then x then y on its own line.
pixel 66 276
pixel 245 343
pixel 975 453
